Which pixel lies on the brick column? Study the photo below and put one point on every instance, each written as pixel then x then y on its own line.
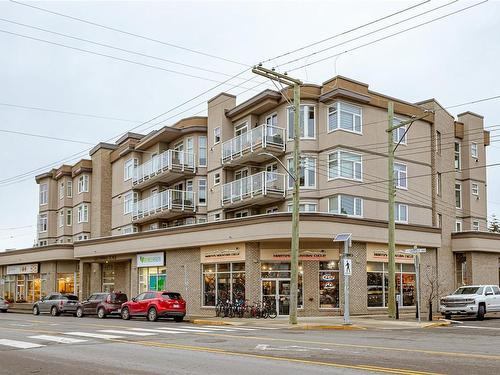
pixel 252 272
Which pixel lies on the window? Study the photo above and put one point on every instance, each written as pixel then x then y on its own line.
pixel 217 178
pixel 439 142
pixel 458 225
pixel 128 169
pixel 399 134
pixel 202 220
pixel 240 129
pixel 202 192
pixel 223 281
pixel 400 176
pixel 307 122
pixel 69 217
pixel 82 237
pixel 128 202
pixel 343 116
pixel 378 284
pixel 83 213
pixel 345 205
pixel 439 186
pixel 329 285
pixel 152 278
pixel 83 184
pixel 61 218
pixel 439 220
pixel 43 194
pixel 304 207
pixel 307 176
pixel 69 189
pixel 271 210
pixel 217 135
pixel 42 243
pixel 473 150
pixel 475 225
pixel 475 189
pixel 42 223
pixel 129 229
pixel 401 213
pixel 457 155
pixel 216 216
pixel 271 170
pixel 458 195
pixel 202 150
pixel 61 190
pixel 343 164
pixel 239 214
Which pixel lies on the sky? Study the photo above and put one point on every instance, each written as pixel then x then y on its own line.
pixel 454 59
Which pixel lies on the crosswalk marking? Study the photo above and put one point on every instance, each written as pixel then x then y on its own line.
pixel 19 344
pixel 229 328
pixel 93 335
pixel 58 339
pixel 186 330
pixel 205 328
pixel 153 330
pixel 127 332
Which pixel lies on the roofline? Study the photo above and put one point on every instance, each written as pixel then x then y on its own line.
pixel 263 95
pixel 221 94
pixel 129 135
pixel 470 113
pixel 104 145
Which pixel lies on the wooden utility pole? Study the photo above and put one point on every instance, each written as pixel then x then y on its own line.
pixel 391 303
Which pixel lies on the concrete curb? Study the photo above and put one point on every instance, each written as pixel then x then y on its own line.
pixel 211 322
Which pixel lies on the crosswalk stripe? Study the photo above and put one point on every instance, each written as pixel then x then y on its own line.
pixel 61 340
pixel 186 330
pixel 19 344
pixel 93 335
pixel 153 330
pixel 230 328
pixel 127 332
pixel 207 328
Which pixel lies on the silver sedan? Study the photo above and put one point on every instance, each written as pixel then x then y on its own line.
pixel 4 305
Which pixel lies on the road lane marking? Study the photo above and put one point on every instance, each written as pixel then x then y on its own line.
pixel 19 344
pixel 61 340
pixel 231 328
pixel 127 332
pixel 477 327
pixel 93 335
pixel 204 328
pixel 185 330
pixel 153 330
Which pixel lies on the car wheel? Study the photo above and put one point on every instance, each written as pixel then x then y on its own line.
pixel 101 313
pixel 152 314
pixel 447 316
pixel 36 311
pixel 79 312
pixel 480 312
pixel 125 313
pixel 53 311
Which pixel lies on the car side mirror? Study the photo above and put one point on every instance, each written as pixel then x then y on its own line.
pixel 134 299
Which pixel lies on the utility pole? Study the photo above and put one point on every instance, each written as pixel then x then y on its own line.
pixel 294 253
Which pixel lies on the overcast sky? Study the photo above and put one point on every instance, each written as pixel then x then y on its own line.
pixel 454 60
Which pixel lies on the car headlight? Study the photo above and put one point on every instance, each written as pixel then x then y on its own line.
pixel 470 300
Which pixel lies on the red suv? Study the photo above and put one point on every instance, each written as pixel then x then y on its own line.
pixel 154 305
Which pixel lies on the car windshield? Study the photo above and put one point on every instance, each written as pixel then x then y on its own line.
pixel 171 296
pixel 469 290
pixel 119 298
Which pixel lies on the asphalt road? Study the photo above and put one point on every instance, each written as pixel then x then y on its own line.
pixel 67 345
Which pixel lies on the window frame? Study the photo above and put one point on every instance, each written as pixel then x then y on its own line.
pixel 475 225
pixel 459 190
pixel 43 192
pixel 474 150
pixel 439 184
pixel 43 218
pixel 338 152
pixel 62 190
pixel 204 153
pixel 217 178
pixel 133 163
pixel 404 140
pixel 337 105
pixel 397 213
pixel 339 197
pixel 303 203
pixel 69 217
pixel 304 170
pixel 69 189
pixel 246 213
pixel 439 142
pixel 397 177
pixel 458 155
pixel 458 223
pixel 129 198
pixel 217 135
pixel 83 184
pixel 474 191
pixel 61 218
pixel 288 129
pixel 206 193
pixel 83 213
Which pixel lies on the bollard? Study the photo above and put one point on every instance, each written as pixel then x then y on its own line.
pixel 430 311
pixel 397 309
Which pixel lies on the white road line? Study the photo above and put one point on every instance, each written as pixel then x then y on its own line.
pixel 270 328
pixel 186 330
pixel 93 335
pixel 127 332
pixel 61 340
pixel 207 328
pixel 477 327
pixel 19 344
pixel 153 330
pixel 231 328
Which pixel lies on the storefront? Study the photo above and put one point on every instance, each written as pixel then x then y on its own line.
pixel 152 272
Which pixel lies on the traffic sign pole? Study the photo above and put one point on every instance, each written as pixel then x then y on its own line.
pixel 416 259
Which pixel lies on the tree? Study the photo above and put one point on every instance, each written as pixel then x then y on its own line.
pixel 494 224
pixel 431 286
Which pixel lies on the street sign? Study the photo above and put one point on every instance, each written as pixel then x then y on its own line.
pixel 347 267
pixel 415 251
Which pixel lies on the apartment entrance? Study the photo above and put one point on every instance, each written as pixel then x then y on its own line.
pixel 277 293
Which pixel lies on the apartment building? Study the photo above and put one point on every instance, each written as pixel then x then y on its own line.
pixel 203 206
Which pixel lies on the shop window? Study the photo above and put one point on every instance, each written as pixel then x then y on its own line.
pixel 108 277
pixel 66 283
pixel 378 284
pixel 275 282
pixel 223 281
pixel 152 279
pixel 9 288
pixel 329 284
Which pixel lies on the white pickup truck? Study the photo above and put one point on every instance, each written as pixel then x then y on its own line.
pixel 471 300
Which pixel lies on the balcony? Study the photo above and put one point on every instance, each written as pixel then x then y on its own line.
pixel 257 189
pixel 247 146
pixel 167 204
pixel 166 168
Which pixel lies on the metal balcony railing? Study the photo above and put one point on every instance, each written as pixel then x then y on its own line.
pixel 261 136
pixel 163 201
pixel 168 160
pixel 259 184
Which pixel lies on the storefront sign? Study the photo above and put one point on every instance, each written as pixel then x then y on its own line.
pixel 151 259
pixel 380 253
pixel 304 254
pixel 223 253
pixel 22 268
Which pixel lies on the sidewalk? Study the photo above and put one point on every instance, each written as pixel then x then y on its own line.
pixel 360 322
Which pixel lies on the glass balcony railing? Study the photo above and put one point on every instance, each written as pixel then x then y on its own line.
pixel 164 201
pixel 259 184
pixel 166 161
pixel 260 137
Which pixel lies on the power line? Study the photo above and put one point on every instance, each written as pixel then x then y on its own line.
pixel 46 137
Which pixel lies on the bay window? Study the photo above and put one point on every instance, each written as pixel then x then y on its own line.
pixel 42 223
pixel 343 116
pixel 83 184
pixel 307 176
pixel 343 164
pixel 83 213
pixel 307 122
pixel 43 194
pixel 345 205
pixel 458 195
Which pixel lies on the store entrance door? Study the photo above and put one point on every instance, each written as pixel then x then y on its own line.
pixel 277 293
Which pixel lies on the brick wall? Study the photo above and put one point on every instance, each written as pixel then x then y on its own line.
pixel 484 268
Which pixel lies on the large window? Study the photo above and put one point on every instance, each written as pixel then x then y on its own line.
pixel 223 281
pixel 458 195
pixel 401 213
pixel 66 283
pixel 307 122
pixel 307 176
pixel 304 207
pixel 345 205
pixel 400 176
pixel 152 279
pixel 202 151
pixel 128 169
pixel 202 192
pixel 83 184
pixel 24 288
pixel 42 223
pixel 457 156
pixel 399 134
pixel 329 284
pixel 43 194
pixel 83 213
pixel 128 202
pixel 343 116
pixel 343 164
pixel 378 284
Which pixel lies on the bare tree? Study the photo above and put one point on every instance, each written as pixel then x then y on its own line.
pixel 432 284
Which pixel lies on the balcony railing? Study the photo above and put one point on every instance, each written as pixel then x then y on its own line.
pixel 168 160
pixel 260 137
pixel 259 184
pixel 164 201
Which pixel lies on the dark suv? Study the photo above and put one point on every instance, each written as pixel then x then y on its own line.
pixel 56 304
pixel 102 304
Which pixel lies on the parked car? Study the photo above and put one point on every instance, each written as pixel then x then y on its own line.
pixel 154 305
pixel 56 304
pixel 4 305
pixel 102 304
pixel 471 300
